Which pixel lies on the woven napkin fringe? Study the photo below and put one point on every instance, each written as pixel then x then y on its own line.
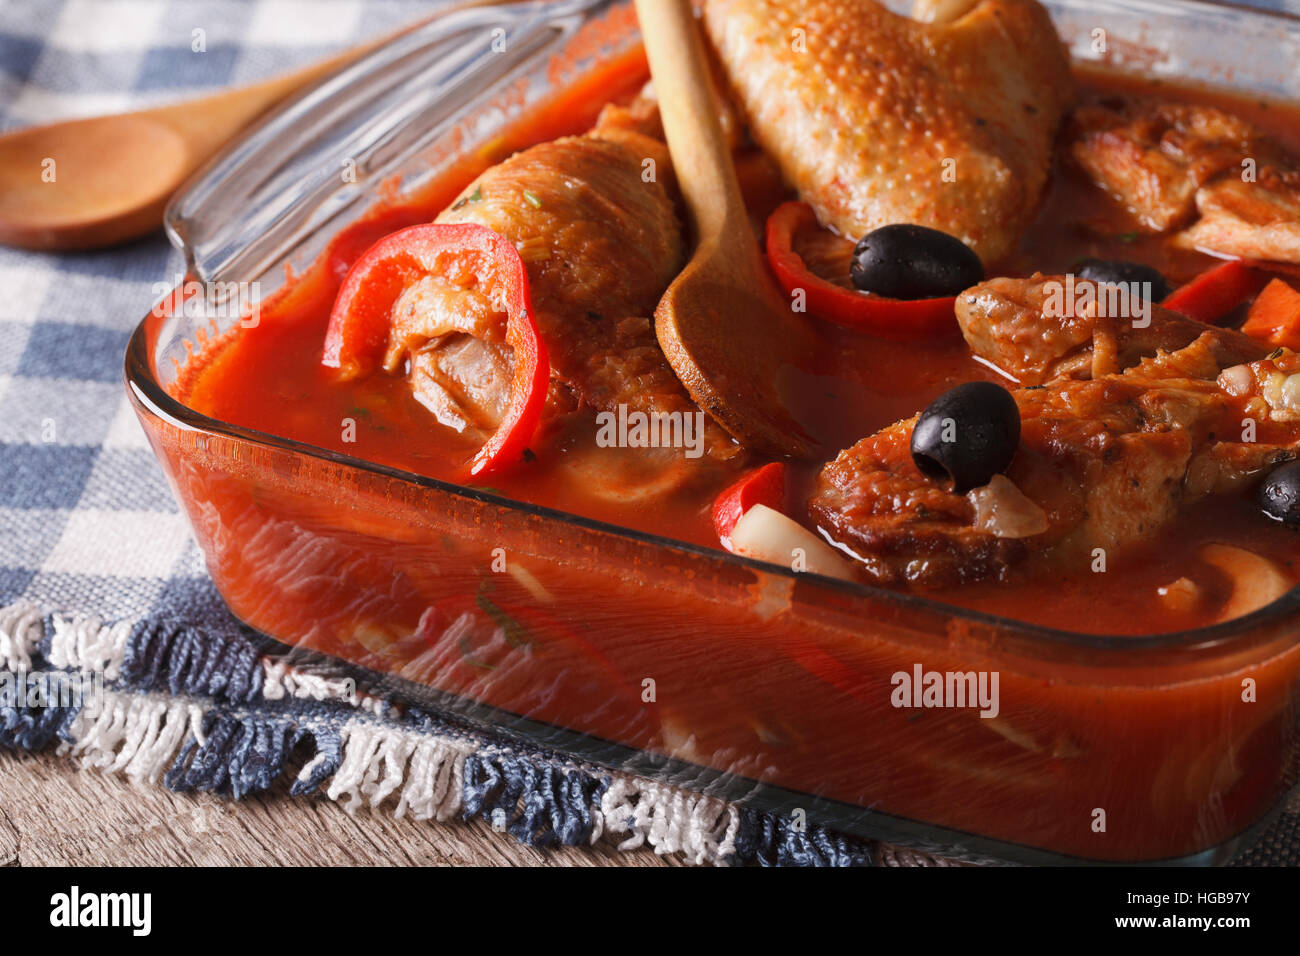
pixel 207 712
pixel 20 632
pixel 135 735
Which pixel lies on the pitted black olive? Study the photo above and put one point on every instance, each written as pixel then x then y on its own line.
pixel 969 433
pixel 1279 495
pixel 1123 272
pixel 913 262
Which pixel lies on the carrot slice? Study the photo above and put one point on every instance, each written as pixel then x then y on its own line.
pixel 1274 317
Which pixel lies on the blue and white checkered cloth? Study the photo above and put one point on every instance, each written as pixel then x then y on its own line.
pixel 86 519
pixel 88 526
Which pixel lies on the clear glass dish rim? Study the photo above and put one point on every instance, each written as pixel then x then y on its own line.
pixel 143 385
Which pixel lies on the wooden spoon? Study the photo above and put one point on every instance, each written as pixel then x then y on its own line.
pixel 727 329
pixel 94 182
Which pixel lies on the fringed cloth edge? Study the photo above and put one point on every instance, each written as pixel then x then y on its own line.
pixel 197 712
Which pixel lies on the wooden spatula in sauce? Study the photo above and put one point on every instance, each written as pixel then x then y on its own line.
pixel 726 328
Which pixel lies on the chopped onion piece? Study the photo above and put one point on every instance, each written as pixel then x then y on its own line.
pixel 530 583
pixel 1256 581
pixel 1181 596
pixel 1003 510
pixel 1236 381
pixel 768 535
pixel 641 475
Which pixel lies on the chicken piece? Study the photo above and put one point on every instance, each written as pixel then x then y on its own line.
pixel 1153 156
pixel 600 242
pixel 1252 220
pixel 876 118
pixel 639 117
pixel 733 128
pixel 1045 327
pixel 1192 167
pixel 760 181
pixel 1102 463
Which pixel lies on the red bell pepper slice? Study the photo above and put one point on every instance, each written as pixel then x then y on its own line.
pixel 763 486
pixel 1213 294
pixel 901 319
pixel 359 323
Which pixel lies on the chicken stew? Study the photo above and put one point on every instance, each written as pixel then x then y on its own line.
pixel 1112 260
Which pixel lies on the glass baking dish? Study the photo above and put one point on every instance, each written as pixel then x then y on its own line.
pixel 726 675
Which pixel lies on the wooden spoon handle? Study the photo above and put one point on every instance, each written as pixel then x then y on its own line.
pixel 701 157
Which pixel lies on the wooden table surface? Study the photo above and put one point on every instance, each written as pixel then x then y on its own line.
pixel 52 812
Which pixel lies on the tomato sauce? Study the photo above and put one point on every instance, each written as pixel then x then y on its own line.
pixel 270 378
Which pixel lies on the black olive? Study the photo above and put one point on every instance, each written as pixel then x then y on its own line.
pixel 1123 272
pixel 1279 495
pixel 969 433
pixel 914 262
